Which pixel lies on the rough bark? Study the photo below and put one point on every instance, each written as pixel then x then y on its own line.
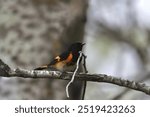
pixel 31 33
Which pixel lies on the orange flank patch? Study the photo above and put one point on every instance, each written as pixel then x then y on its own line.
pixel 61 64
pixel 69 59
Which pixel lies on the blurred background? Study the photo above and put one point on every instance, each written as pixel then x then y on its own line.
pixel 116 32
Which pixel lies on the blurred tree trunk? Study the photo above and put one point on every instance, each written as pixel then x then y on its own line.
pixel 31 33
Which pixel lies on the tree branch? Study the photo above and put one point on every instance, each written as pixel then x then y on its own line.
pixel 82 76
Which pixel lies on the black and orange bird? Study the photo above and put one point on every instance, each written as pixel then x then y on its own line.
pixel 65 61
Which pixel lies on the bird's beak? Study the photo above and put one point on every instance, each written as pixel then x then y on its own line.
pixel 83 44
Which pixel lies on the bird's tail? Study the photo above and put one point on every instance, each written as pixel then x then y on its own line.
pixel 41 68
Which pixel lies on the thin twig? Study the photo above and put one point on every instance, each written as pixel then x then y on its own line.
pixel 84 63
pixel 74 73
pixel 85 71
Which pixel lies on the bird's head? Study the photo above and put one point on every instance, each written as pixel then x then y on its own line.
pixel 76 47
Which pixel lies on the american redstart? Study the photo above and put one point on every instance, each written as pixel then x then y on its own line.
pixel 65 61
